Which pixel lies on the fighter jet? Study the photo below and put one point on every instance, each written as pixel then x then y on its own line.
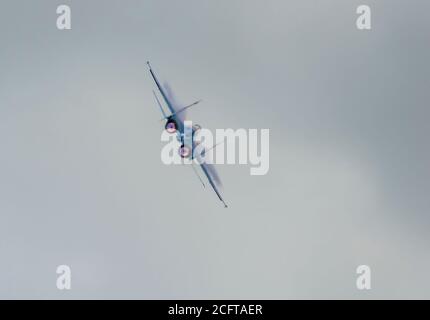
pixel 175 125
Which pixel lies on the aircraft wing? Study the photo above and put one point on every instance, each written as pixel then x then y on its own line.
pixel 162 90
pixel 212 178
pixel 176 111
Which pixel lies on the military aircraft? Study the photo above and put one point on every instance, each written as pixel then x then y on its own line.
pixel 175 124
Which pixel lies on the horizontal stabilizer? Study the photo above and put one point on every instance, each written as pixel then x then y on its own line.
pixel 182 109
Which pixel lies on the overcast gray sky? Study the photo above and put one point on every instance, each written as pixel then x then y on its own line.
pixel 82 183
